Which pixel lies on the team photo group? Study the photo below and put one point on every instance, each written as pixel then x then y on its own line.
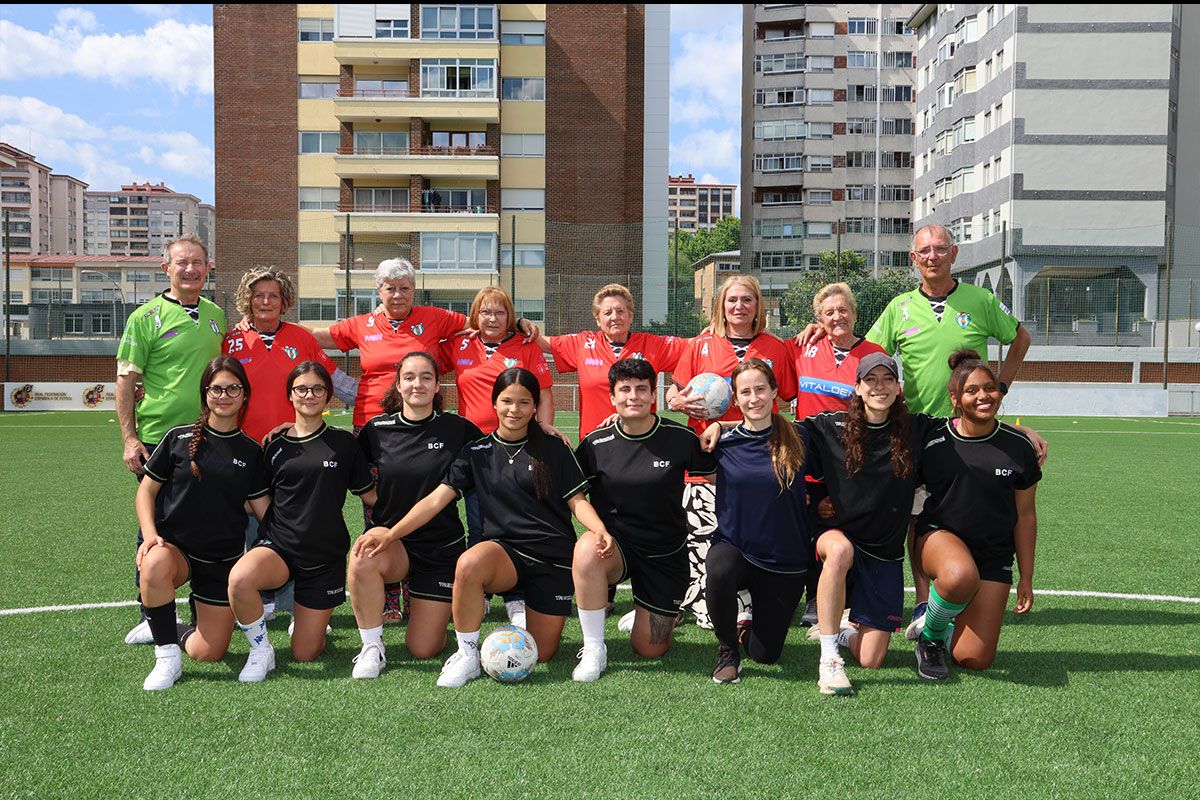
pixel 739 518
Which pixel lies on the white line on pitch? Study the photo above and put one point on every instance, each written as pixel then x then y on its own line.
pixel 1111 433
pixel 8 612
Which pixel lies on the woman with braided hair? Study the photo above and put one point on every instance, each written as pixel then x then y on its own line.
pixel 190 508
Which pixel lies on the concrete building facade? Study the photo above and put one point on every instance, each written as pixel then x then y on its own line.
pixel 44 210
pixel 139 220
pixel 691 205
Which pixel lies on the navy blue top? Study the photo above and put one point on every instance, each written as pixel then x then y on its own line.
pixel 768 526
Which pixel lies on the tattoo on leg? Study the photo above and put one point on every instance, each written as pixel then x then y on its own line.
pixel 661 628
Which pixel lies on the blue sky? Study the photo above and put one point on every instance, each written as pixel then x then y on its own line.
pixel 116 93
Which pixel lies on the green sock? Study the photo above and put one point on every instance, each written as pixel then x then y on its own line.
pixel 938 615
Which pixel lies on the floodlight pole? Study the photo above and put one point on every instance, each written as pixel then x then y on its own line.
pixel 7 299
pixel 1167 301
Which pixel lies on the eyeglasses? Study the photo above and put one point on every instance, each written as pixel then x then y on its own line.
pixel 198 263
pixel 941 250
pixel 305 391
pixel 493 313
pixel 232 391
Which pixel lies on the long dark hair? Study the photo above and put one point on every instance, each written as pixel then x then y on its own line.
pixel 854 436
pixel 785 445
pixel 543 481
pixel 393 402
pixel 306 368
pixel 963 362
pixel 221 363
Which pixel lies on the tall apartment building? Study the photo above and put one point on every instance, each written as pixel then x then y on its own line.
pixel 1065 123
pixel 45 210
pixel 691 205
pixel 468 138
pixel 827 122
pixel 140 219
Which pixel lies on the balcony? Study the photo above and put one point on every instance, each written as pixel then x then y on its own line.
pixel 398 51
pixel 397 105
pixel 376 218
pixel 444 162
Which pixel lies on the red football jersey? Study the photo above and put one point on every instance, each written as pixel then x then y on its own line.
pixel 710 353
pixel 476 374
pixel 822 385
pixel 268 370
pixel 380 349
pixel 590 354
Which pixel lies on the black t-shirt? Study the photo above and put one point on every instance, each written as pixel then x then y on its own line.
pixel 205 516
pixel 411 458
pixel 972 484
pixel 873 506
pixel 512 513
pixel 636 482
pixel 309 478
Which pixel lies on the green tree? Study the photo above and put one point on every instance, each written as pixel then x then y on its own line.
pixel 870 294
pixel 683 250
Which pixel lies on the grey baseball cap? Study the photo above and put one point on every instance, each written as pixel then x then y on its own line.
pixel 873 360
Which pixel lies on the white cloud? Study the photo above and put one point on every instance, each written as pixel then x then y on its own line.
pixel 173 54
pixel 708 151
pixel 707 71
pixel 99 155
pixel 158 10
pixel 698 18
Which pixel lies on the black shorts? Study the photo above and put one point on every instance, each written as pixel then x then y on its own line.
pixel 875 591
pixel 319 587
pixel 209 579
pixel 548 588
pixel 659 582
pixel 431 570
pixel 991 565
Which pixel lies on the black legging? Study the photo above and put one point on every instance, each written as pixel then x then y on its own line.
pixel 775 596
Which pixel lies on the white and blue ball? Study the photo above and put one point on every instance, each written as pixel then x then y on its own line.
pixel 713 391
pixel 509 654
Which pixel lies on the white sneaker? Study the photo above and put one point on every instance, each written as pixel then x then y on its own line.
pixel 459 668
pixel 168 668
pixel 593 658
pixel 292 628
pixel 370 661
pixel 625 623
pixel 268 612
pixel 914 629
pixel 832 677
pixel 814 633
pixel 258 664
pixel 140 634
pixel 516 612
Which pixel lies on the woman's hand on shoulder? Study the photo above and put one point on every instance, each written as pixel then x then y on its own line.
pixel 550 430
pixel 271 434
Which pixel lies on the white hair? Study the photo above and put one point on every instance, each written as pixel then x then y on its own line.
pixel 933 226
pixel 394 269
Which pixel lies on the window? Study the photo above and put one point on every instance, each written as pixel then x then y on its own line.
pixel 779 130
pixel 781 198
pixel 895 194
pixel 818 230
pixel 314 142
pixel 779 229
pixel 864 159
pixel 779 162
pixel 73 323
pixel 820 97
pixel 898 159
pixel 820 30
pixel 448 199
pixel 781 97
pixel 962 229
pixel 458 22
pixel 49 274
pixel 964 81
pixel 522 199
pixel 15 297
pixel 380 88
pixel 858 225
pixel 458 251
pixel 820 164
pixel 860 192
pixel 458 77
pixel 138 276
pixel 780 62
pixel 857 126
pixel 319 254
pixel 532 310
pixel 895 226
pixel 524 88
pixel 315 30
pixel 528 255
pixel 861 59
pixel 313 198
pixel 967 30
pixel 311 90
pixel 770 261
pixel 820 130
pixel 55 295
pixel 819 197
pixel 98 276
pixel 391 28
pixel 380 143
pixel 319 308
pixel 860 93
pixel 388 200
pixel 526 33
pixel 946 49
pixel 964 131
pixel 362 301
pixel 861 25
pixel 898 60
pixel 458 139
pixel 820 63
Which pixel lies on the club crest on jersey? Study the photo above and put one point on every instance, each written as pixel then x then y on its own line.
pixel 636 356
pixel 509 363
pixel 964 319
pixel 291 352
pixel 418 329
pixel 590 344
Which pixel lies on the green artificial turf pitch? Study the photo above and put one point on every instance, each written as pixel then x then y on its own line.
pixel 1089 697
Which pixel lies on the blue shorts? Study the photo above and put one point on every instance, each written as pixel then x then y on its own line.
pixel 875 591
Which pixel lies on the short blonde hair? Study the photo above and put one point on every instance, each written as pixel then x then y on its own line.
pixel 829 290
pixel 245 290
pixel 612 290
pixel 718 307
pixel 492 293
pixel 189 239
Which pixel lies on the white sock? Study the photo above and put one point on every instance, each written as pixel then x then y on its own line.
pixel 845 635
pixel 592 623
pixel 256 633
pixel 829 645
pixel 468 642
pixel 745 616
pixel 369 635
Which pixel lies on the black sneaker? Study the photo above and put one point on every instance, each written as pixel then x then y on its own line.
pixel 729 665
pixel 932 663
pixel 809 618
